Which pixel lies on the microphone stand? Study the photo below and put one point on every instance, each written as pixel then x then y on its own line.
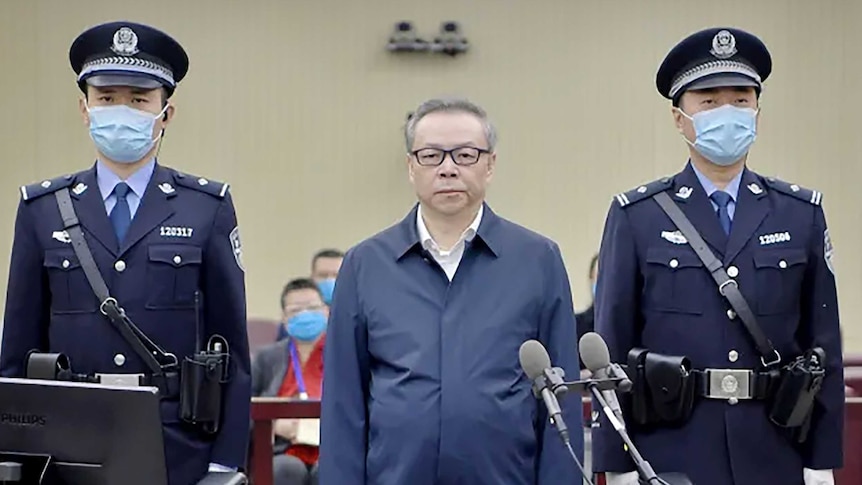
pixel 645 471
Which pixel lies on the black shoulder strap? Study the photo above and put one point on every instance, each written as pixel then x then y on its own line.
pixel 108 306
pixel 727 286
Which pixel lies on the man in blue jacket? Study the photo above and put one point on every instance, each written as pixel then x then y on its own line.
pixel 422 383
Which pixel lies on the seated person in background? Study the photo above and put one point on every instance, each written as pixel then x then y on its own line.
pixel 324 270
pixel 293 368
pixel 585 319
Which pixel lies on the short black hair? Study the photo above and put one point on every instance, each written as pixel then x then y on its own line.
pixel 593 263
pixel 326 253
pixel 299 284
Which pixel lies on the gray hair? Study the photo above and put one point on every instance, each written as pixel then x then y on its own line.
pixel 450 105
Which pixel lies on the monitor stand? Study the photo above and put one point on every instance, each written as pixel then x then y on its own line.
pixel 23 468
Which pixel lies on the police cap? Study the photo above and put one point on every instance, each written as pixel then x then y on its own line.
pixel 128 54
pixel 712 58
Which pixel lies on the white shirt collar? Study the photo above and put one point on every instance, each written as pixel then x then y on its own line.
pixel 428 241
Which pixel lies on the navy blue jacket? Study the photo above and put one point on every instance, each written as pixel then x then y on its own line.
pixel 422 384
pixel 654 292
pixel 179 242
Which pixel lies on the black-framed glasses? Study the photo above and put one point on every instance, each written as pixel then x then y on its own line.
pixel 430 157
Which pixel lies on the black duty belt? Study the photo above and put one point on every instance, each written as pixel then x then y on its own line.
pixel 735 384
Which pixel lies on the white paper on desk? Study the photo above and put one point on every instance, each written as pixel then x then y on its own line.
pixel 308 432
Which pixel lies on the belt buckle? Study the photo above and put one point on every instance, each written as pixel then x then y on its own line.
pixel 120 380
pixel 729 383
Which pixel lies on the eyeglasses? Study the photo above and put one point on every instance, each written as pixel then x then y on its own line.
pixel 293 310
pixel 429 157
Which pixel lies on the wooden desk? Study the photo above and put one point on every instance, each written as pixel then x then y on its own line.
pixel 264 410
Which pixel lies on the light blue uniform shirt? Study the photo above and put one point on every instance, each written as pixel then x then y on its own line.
pixel 732 189
pixel 137 183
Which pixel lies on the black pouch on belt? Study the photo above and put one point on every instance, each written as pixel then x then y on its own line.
pixel 203 377
pixel 793 401
pixel 663 389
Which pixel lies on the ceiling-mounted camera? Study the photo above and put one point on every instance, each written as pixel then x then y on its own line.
pixel 450 40
pixel 405 39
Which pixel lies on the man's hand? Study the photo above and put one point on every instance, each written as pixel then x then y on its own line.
pixel 286 428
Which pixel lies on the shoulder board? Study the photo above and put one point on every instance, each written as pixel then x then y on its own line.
pixel 811 196
pixel 38 189
pixel 638 194
pixel 212 187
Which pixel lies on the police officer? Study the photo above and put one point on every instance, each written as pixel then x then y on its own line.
pixel 655 293
pixel 166 244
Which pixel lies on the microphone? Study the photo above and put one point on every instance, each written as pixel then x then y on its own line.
pixel 536 364
pixel 594 353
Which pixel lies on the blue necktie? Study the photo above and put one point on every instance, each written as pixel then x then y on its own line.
pixel 121 216
pixel 722 199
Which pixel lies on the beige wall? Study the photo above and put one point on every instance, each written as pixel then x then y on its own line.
pixel 299 107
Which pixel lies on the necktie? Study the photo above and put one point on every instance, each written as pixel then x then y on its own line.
pixel 121 216
pixel 721 199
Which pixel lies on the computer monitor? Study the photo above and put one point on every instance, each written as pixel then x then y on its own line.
pixel 66 433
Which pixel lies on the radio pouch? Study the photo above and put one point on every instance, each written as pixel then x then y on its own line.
pixel 794 397
pixel 663 388
pixel 203 375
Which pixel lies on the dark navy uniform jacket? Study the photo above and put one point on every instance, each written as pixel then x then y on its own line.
pixel 422 384
pixel 653 292
pixel 179 241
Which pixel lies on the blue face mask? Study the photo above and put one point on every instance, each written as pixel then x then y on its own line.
pixel 327 288
pixel 121 133
pixel 306 326
pixel 723 135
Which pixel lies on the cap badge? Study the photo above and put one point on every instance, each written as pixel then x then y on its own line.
pixel 125 42
pixel 723 45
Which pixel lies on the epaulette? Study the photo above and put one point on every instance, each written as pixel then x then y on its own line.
pixel 212 187
pixel 638 194
pixel 811 196
pixel 38 189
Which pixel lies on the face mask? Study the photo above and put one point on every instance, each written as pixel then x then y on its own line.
pixel 307 325
pixel 121 133
pixel 723 135
pixel 327 287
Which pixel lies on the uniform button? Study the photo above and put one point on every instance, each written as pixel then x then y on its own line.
pixel 733 271
pixel 66 263
pixel 731 314
pixel 119 359
pixel 673 263
pixel 782 264
pixel 732 401
pixel 46 184
pixel 733 356
pixel 178 259
pixel 120 266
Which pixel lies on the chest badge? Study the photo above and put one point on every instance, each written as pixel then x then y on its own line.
pixel 674 237
pixel 61 236
pixel 684 192
pixel 774 238
pixel 172 231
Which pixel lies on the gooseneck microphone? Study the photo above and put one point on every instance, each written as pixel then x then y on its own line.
pixel 594 353
pixel 536 364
